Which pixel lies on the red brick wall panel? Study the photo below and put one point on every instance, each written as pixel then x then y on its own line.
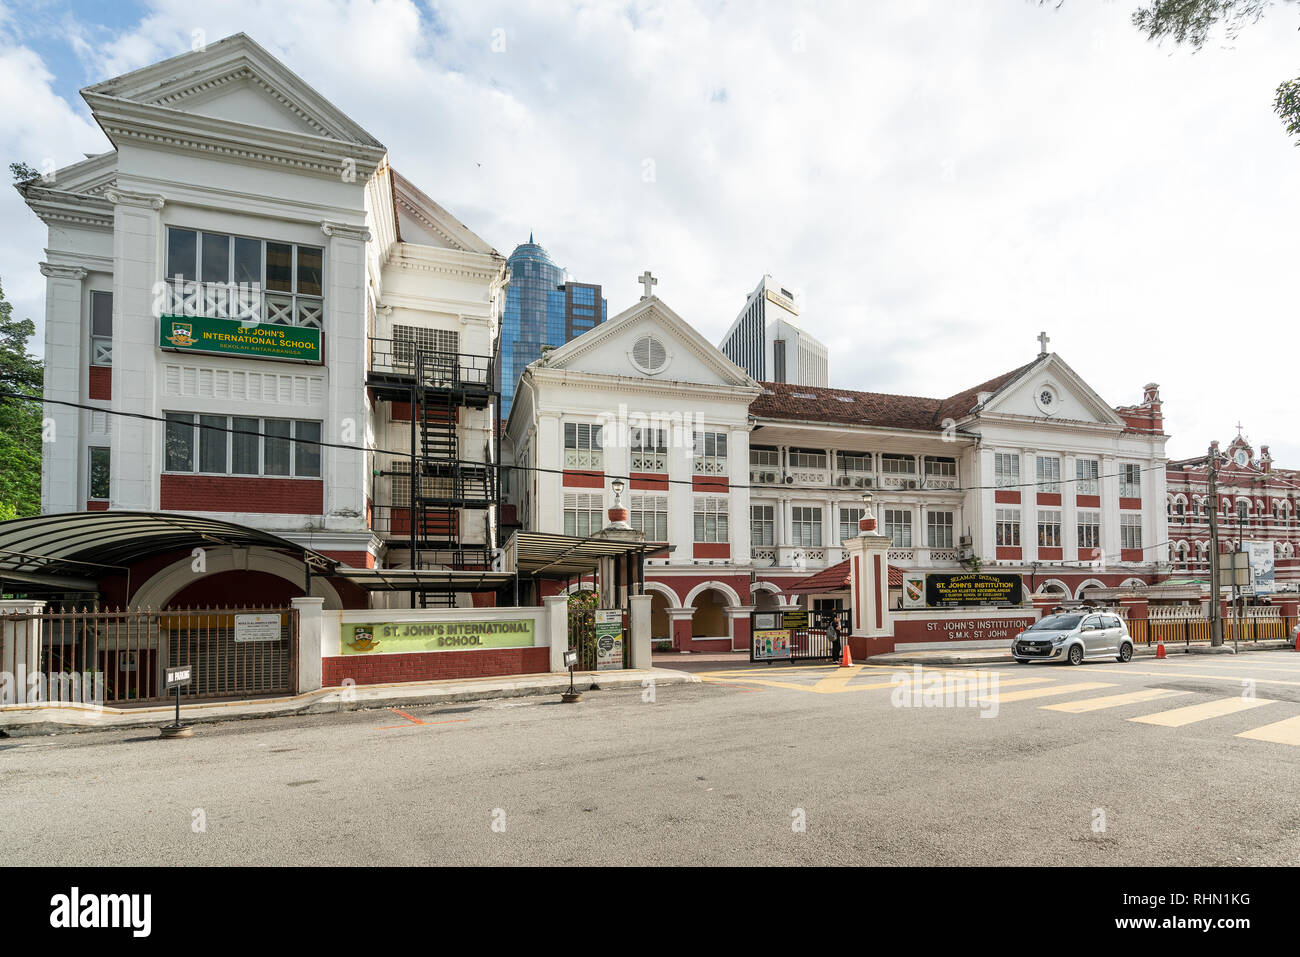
pixel 434 665
pixel 231 493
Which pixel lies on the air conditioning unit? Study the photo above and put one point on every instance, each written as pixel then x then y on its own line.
pixel 789 480
pixel 845 480
pixel 965 542
pixel 908 483
pixel 965 553
pixel 863 482
pixel 769 476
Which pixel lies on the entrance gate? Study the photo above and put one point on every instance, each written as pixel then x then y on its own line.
pixel 787 636
pixel 118 658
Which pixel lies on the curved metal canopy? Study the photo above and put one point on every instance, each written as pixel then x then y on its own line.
pixel 79 545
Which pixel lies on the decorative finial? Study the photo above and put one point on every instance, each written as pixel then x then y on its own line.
pixel 647 281
pixel 1043 340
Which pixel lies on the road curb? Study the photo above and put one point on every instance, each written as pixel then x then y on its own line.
pixel 46 720
pixel 928 658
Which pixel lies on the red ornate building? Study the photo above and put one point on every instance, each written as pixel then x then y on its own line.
pixel 1256 502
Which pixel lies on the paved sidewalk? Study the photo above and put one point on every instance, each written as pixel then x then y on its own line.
pixel 49 719
pixel 999 656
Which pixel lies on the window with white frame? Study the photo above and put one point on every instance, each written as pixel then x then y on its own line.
pixel 1006 469
pixel 1086 472
pixel 898 526
pixel 1007 527
pixel 648 449
pixel 849 518
pixel 709 453
pixel 762 526
pixel 242 445
pixel 853 461
pixel 584 513
pixel 440 347
pixel 1088 525
pixel 101 328
pixel 649 514
pixel 938 529
pixel 807 459
pixel 1130 531
pixel 1049 528
pixel 891 464
pixel 582 446
pixel 206 269
pixel 940 467
pixel 1048 473
pixel 1130 481
pixel 711 519
pixel 806 526
pixel 762 457
pixel 99 472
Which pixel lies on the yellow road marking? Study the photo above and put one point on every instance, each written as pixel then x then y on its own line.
pixel 1113 701
pixel 1046 692
pixel 838 684
pixel 1178 717
pixel 836 680
pixel 1279 732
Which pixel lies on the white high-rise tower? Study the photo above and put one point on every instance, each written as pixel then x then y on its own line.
pixel 767 341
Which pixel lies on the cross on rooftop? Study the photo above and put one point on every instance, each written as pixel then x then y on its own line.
pixel 1043 340
pixel 647 280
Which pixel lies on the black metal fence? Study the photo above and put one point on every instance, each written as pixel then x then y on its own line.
pixel 117 657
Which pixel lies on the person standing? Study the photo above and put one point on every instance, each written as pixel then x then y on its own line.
pixel 833 633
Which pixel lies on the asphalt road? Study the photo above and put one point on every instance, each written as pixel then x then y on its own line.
pixel 722 772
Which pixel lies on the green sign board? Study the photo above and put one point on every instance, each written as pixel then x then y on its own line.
pixel 405 636
pixel 236 338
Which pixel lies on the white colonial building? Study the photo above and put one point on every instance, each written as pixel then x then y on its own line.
pixel 1030 473
pixel 242 297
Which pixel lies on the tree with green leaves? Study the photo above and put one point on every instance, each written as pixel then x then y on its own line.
pixel 1190 23
pixel 20 419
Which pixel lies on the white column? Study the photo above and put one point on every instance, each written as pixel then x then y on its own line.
pixel 1028 508
pixel 310 630
pixel 1069 511
pixel 1109 488
pixel 344 324
pixel 65 336
pixel 638 619
pixel 869 590
pixel 738 444
pixel 137 443
pixel 20 650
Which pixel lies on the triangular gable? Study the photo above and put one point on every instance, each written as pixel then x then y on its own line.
pixel 424 222
pixel 236 80
pixel 609 349
pixel 1049 389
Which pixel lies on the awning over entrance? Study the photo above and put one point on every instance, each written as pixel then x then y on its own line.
pixel 836 578
pixel 424 579
pixel 72 550
pixel 541 555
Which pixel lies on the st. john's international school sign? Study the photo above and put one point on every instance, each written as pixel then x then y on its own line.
pixel 236 338
pixel 406 636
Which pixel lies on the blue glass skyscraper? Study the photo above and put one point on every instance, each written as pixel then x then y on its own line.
pixel 543 308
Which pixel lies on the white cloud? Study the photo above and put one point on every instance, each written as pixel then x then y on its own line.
pixel 939 181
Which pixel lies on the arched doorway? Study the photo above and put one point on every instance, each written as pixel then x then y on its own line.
pixel 660 625
pixel 709 620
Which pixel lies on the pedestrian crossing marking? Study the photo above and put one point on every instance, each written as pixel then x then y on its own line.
pixel 1028 693
pixel 1113 701
pixel 1279 732
pixel 1178 717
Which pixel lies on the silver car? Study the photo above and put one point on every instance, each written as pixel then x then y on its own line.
pixel 1074 637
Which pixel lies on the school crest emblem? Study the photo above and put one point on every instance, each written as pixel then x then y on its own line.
pixel 182 334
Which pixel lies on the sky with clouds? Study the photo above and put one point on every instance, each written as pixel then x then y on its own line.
pixel 938 181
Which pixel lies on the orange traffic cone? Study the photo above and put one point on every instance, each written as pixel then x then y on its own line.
pixel 846 659
pixel 1160 649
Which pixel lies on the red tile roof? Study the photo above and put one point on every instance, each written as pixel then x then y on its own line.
pixel 836 578
pixel 781 400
